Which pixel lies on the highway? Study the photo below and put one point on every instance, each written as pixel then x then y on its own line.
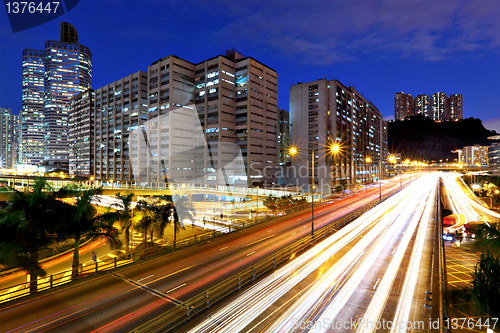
pixel 462 201
pixel 370 263
pixel 129 296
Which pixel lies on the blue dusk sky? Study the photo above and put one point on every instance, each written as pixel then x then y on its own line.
pixel 379 47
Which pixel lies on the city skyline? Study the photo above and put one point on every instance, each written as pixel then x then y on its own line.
pixel 415 46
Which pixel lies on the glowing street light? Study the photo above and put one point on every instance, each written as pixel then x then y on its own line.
pixel 293 151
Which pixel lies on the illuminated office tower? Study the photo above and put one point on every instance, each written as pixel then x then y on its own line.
pixel 9 125
pixel 31 134
pixel 56 74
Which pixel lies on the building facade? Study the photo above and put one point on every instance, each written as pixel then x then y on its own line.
pixel 120 107
pixel 31 134
pixel 50 78
pixel 438 106
pixel 81 134
pixel 212 122
pixel 454 109
pixel 403 106
pixel 421 105
pixel 326 113
pixel 494 155
pixel 283 136
pixel 9 126
pixel 473 155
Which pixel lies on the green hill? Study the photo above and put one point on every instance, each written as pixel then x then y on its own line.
pixel 421 138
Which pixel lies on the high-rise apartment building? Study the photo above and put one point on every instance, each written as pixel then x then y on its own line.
pixel 403 106
pixel 212 122
pixel 120 107
pixel 326 113
pixel 9 125
pixel 283 136
pixel 421 105
pixel 438 106
pixel 454 109
pixel 50 78
pixel 473 155
pixel 236 101
pixel 81 134
pixel 494 155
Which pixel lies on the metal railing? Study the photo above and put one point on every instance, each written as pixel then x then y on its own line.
pixel 23 289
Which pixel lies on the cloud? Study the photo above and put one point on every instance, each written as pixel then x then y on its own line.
pixel 326 32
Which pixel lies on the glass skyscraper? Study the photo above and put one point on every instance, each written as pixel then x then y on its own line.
pixel 50 79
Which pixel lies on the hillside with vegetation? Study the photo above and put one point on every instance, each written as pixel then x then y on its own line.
pixel 421 138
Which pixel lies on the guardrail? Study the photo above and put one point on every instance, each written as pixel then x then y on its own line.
pixel 442 264
pixel 181 314
pixel 23 289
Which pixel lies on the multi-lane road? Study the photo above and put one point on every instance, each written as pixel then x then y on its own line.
pixel 462 201
pixel 375 270
pixel 130 296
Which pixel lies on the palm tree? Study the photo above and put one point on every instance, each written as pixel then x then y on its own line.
pixel 27 226
pixel 84 222
pixel 145 218
pixel 489 237
pixel 165 212
pixel 125 216
pixel 184 209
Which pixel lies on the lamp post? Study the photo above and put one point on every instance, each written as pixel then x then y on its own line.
pixel 491 198
pixel 334 150
pixel 293 151
pixel 369 161
pixel 312 189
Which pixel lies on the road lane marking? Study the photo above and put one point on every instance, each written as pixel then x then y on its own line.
pixel 250 253
pixel 222 248
pixel 393 251
pixel 293 233
pixel 375 286
pixel 260 240
pixel 147 277
pixel 270 230
pixel 182 285
pixel 150 290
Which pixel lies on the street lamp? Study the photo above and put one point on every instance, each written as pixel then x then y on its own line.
pixel 491 198
pixel 313 187
pixel 368 160
pixel 293 151
pixel 334 150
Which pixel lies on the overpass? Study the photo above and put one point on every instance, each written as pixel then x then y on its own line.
pixel 212 191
